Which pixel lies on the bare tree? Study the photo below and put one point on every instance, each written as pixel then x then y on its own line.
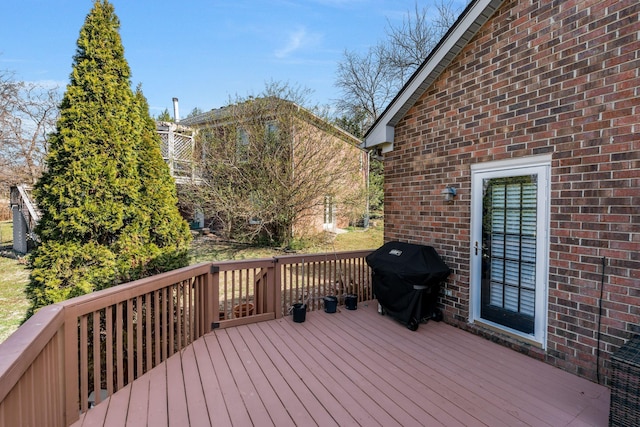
pixel 369 81
pixel 9 90
pixel 409 44
pixel 28 113
pixel 366 82
pixel 269 166
pixel 292 92
pixel 8 93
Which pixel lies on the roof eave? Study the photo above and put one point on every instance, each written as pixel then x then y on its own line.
pixel 215 116
pixel 477 13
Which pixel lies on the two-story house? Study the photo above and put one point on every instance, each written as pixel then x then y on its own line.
pixel 270 169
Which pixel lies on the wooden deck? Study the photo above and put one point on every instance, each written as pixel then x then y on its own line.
pixel 352 368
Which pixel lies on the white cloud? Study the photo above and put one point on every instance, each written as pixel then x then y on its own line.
pixel 298 40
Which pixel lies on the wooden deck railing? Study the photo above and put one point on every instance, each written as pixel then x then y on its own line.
pixel 72 355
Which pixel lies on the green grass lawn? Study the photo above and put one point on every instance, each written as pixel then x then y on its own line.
pixel 15 275
pixel 13 302
pixel 6 233
pixel 209 249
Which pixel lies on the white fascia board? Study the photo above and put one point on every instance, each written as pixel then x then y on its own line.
pixel 465 28
pixel 383 135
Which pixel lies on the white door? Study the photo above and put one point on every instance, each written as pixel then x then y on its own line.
pixel 509 246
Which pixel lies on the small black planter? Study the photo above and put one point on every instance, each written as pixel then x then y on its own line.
pixel 330 304
pixel 299 312
pixel 351 302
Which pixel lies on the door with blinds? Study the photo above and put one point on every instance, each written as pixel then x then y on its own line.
pixel 510 248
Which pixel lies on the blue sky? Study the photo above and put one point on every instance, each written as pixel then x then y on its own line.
pixel 203 52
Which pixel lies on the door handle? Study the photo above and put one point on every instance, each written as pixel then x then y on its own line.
pixel 476 247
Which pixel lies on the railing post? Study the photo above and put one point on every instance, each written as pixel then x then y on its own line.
pixel 72 408
pixel 213 296
pixel 60 399
pixel 192 159
pixel 170 151
pixel 205 305
pixel 260 289
pixel 275 282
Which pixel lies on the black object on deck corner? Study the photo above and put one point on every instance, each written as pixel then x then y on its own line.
pixel 406 281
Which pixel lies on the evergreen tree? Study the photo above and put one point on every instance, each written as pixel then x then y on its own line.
pixel 108 205
pixel 168 234
pixel 165 116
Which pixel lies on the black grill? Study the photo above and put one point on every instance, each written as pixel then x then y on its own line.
pixel 406 281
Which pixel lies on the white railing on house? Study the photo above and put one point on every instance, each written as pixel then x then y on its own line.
pixel 177 144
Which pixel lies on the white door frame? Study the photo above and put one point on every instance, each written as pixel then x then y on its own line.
pixel 513 167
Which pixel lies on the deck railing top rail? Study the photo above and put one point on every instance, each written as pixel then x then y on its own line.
pixel 18 352
pixel 100 299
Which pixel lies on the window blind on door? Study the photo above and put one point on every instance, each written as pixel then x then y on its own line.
pixel 513 244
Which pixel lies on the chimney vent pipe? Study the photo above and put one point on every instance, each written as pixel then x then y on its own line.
pixel 176 110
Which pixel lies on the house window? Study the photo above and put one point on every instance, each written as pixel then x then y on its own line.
pixel 243 137
pixel 242 144
pixel 328 213
pixel 254 200
pixel 510 241
pixel 271 129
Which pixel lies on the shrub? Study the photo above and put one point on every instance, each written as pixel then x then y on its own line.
pixel 108 202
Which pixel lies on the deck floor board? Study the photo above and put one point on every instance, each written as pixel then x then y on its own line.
pixel 210 386
pixel 352 368
pixel 238 412
pixel 355 359
pixel 321 405
pixel 288 399
pixel 401 373
pixel 314 367
pixel 158 395
pixel 495 387
pixel 139 402
pixel 177 407
pixel 274 407
pixel 196 401
pixel 440 375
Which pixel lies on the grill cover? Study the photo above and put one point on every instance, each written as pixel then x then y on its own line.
pixel 406 279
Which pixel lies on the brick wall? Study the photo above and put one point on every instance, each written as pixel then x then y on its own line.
pixel 345 162
pixel 560 78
